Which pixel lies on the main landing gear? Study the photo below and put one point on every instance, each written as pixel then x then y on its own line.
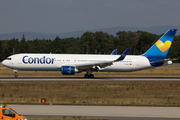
pixel 89 75
pixel 15 74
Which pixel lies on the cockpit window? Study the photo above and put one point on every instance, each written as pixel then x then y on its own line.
pixel 8 58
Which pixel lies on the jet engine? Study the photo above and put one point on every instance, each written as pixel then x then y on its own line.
pixel 69 70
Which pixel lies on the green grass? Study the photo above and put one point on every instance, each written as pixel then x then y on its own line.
pixel 156 93
pixel 164 71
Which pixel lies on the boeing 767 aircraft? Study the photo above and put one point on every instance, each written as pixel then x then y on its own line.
pixel 69 64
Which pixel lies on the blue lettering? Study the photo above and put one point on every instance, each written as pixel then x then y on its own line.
pixel 36 60
pixel 53 60
pixel 48 60
pixel 24 60
pixel 42 60
pixel 30 60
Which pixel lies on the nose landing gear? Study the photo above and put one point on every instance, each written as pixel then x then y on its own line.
pixel 15 74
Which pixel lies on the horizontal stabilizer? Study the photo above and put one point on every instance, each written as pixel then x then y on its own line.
pixel 165 60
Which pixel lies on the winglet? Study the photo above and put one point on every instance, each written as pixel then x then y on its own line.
pixel 114 52
pixel 123 55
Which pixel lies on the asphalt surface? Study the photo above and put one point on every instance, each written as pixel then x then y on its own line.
pixel 103 112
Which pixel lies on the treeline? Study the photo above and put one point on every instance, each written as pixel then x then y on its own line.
pixel 89 43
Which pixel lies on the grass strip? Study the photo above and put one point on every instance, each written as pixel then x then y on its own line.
pixel 164 71
pixel 149 93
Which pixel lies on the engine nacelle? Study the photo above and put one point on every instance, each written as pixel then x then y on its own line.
pixel 69 70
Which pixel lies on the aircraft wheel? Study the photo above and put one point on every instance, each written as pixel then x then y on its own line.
pixel 16 76
pixel 86 76
pixel 91 76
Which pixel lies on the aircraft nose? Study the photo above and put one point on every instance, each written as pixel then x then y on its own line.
pixel 4 62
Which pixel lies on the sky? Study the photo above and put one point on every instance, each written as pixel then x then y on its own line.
pixel 61 16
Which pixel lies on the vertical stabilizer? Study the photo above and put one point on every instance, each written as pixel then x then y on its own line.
pixel 160 49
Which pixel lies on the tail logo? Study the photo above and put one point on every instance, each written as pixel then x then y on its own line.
pixel 163 46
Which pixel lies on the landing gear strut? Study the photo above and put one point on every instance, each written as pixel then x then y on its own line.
pixel 15 74
pixel 89 75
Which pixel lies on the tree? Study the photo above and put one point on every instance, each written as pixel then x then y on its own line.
pixel 146 40
pixel 73 45
pixel 58 45
pixel 23 48
pixel 87 41
pixel 103 43
pixel 125 40
pixel 174 51
pixel 0 51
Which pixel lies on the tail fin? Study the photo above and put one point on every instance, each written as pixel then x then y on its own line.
pixel 160 49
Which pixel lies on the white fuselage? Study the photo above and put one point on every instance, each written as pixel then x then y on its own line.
pixel 53 62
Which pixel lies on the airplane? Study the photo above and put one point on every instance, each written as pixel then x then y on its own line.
pixel 70 64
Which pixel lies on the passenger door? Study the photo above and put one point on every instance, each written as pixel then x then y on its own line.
pixel 19 61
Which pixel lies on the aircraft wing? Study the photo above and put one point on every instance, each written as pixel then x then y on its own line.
pixel 102 64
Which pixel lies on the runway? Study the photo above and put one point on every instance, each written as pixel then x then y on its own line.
pixel 90 79
pixel 103 112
